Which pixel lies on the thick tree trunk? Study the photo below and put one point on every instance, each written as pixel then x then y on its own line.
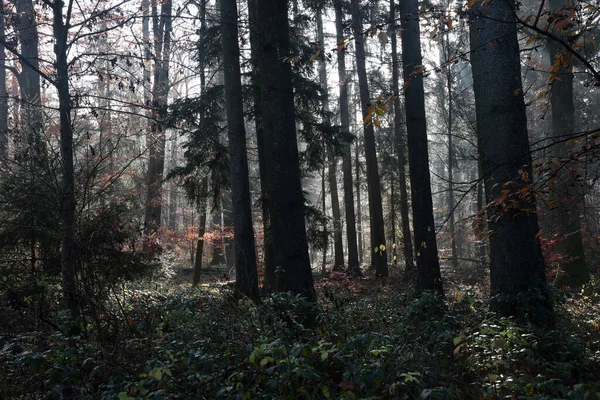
pixel 377 246
pixel 162 24
pixel 29 79
pixel 428 266
pixel 352 249
pixel 517 265
pixel 269 268
pixel 567 217
pixel 69 285
pixel 407 245
pixel 290 246
pixel 246 283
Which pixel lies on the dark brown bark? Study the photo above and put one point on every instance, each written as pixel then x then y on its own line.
pixel 567 217
pixel 428 266
pixel 377 244
pixel 29 78
pixel 246 283
pixel 201 232
pixel 338 246
pixel 516 258
pixel 3 92
pixel 358 206
pixel 162 24
pixel 352 247
pixel 290 246
pixel 69 285
pixel 407 244
pixel 269 268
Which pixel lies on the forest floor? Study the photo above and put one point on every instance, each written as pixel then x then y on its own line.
pixel 365 338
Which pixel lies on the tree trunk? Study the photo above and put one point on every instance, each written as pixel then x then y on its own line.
pixel 377 245
pixel 517 265
pixel 69 285
pixel 269 268
pixel 449 110
pixel 352 249
pixel 400 151
pixel 338 246
pixel 29 79
pixel 246 282
pixel 162 24
pixel 3 92
pixel 428 266
pixel 358 206
pixel 567 217
pixel 290 246
pixel 201 231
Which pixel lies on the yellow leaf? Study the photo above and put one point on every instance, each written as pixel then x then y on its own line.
pixel 379 112
pixel 532 39
pixel 371 109
pixel 382 106
pixel 313 57
pixel 377 123
pixel 449 23
pixel 541 94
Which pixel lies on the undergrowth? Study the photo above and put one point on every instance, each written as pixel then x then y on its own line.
pixel 365 342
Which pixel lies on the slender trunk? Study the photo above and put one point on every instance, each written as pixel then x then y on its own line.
pixel 201 232
pixel 448 107
pixel 204 182
pixel 353 264
pixel 517 265
pixel 162 25
pixel 428 266
pixel 573 268
pixel 290 246
pixel 69 285
pixel 269 269
pixel 358 206
pixel 173 190
pixel 246 283
pixel 325 228
pixel 3 92
pixel 407 244
pixel 338 249
pixel 377 245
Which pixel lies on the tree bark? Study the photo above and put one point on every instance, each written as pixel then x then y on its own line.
pixel 246 283
pixel 338 246
pixel 377 245
pixel 3 92
pixel 516 258
pixel 162 24
pixel 428 266
pixel 573 270
pixel 269 268
pixel 352 246
pixel 69 285
pixel 29 78
pixel 407 243
pixel 290 246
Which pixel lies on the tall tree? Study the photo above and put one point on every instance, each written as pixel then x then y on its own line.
pixel 29 78
pixel 516 258
pixel 246 283
pixel 567 217
pixel 162 24
pixel 353 265
pixel 428 266
pixel 269 268
pixel 288 229
pixel 377 246
pixel 338 246
pixel 400 148
pixel 3 92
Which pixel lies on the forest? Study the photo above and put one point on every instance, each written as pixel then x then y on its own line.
pixel 304 199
